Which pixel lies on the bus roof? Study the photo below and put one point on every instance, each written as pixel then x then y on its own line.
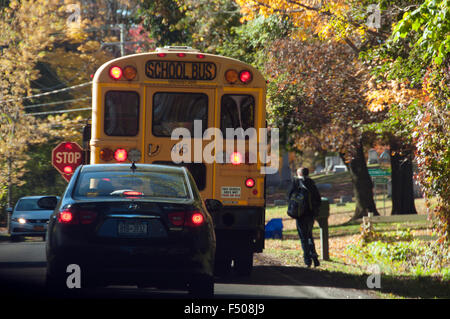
pixel 183 65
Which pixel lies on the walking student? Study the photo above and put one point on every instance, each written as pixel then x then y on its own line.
pixel 305 222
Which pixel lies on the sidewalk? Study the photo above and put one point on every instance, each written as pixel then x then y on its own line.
pixel 4 236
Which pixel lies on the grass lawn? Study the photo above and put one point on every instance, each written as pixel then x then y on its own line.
pixel 351 260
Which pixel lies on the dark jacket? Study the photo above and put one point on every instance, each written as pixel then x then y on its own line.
pixel 312 188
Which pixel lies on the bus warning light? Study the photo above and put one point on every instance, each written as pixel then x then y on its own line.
pixel 115 72
pixel 245 76
pixel 129 72
pixel 231 76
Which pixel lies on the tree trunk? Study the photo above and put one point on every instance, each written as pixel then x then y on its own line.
pixel 362 185
pixel 402 182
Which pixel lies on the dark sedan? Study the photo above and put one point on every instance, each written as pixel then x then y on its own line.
pixel 142 224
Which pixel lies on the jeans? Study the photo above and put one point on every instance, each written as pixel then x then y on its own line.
pixel 304 228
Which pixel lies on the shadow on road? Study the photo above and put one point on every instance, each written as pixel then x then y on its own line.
pixel 409 287
pixel 15 283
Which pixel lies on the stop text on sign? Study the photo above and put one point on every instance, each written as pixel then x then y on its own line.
pixel 67 157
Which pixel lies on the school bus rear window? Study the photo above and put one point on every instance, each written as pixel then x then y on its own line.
pixel 121 113
pixel 173 110
pixel 237 111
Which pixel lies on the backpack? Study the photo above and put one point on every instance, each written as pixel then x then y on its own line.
pixel 300 202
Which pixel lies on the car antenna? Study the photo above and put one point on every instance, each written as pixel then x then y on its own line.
pixel 133 167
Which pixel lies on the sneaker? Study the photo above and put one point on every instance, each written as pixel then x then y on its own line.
pixel 307 262
pixel 316 261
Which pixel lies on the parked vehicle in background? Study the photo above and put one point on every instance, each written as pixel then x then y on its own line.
pixel 132 224
pixel 28 219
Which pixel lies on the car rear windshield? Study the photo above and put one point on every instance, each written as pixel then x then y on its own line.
pixel 128 184
pixel 28 204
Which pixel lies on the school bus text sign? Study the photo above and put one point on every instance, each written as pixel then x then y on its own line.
pixel 180 70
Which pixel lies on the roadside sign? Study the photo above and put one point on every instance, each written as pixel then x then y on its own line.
pixel 380 180
pixel 66 157
pixel 378 172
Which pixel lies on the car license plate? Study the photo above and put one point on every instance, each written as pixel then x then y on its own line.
pixel 132 228
pixel 38 228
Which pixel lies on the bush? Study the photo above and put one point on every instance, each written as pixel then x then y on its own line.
pixel 398 254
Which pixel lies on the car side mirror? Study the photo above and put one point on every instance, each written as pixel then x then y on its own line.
pixel 48 202
pixel 213 205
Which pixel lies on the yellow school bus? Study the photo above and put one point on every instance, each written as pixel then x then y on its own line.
pixel 163 108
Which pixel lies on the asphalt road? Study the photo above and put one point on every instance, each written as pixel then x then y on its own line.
pixel 22 273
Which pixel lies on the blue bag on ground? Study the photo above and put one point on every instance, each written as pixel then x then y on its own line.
pixel 274 229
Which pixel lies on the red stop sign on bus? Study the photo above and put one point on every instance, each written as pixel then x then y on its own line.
pixel 66 157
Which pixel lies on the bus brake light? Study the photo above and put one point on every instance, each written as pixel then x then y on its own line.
pixel 249 182
pixel 236 158
pixel 120 155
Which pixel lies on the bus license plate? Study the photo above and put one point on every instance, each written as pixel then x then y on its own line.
pixel 132 228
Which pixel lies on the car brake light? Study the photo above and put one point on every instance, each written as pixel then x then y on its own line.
pixel 132 194
pixel 87 216
pixel 67 217
pixel 176 218
pixel 74 217
pixel 197 219
pixel 192 219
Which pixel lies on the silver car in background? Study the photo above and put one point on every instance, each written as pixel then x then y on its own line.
pixel 28 219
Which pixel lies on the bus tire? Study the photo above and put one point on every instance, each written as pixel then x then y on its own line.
pixel 202 287
pixel 222 266
pixel 244 264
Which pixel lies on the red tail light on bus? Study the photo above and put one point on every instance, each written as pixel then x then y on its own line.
pixel 120 155
pixel 249 182
pixel 236 158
